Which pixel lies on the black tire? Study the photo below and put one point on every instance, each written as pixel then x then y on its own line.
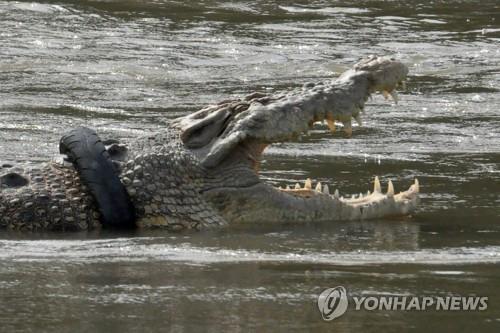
pixel 90 158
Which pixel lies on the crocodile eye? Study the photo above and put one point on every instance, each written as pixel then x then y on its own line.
pixel 117 151
pixel 13 180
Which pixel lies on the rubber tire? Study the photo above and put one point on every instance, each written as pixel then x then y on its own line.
pixel 94 165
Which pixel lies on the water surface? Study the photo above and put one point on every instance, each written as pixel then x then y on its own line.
pixel 127 67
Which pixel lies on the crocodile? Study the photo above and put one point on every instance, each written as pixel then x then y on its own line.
pixel 202 170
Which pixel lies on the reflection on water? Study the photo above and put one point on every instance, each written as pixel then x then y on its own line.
pixel 232 280
pixel 126 67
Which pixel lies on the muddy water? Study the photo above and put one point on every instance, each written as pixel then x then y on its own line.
pixel 126 67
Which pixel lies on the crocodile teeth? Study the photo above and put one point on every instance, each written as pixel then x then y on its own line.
pixel 395 97
pixel 297 186
pixel 358 119
pixel 318 187
pixel 360 195
pixel 308 184
pixel 390 189
pixel 331 125
pixel 326 190
pixel 416 186
pixel 288 187
pixel 376 185
pixel 368 193
pixel 336 194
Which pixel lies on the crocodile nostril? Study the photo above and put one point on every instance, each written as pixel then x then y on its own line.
pixel 7 166
pixel 13 180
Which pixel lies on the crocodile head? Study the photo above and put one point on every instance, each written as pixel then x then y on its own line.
pixel 229 139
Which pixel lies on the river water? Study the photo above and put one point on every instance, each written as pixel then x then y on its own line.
pixel 126 67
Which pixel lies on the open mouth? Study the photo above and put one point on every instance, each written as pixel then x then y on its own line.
pixel 368 204
pixel 228 135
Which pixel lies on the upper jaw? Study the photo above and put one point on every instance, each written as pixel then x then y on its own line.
pixel 276 118
pixel 381 74
pixel 385 73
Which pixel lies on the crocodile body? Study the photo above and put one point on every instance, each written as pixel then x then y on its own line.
pixel 201 171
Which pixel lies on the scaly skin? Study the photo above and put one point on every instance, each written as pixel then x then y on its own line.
pixel 202 170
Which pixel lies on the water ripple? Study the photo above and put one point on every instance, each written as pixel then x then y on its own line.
pixel 134 250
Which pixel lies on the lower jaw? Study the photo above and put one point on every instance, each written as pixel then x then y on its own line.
pixel 262 203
